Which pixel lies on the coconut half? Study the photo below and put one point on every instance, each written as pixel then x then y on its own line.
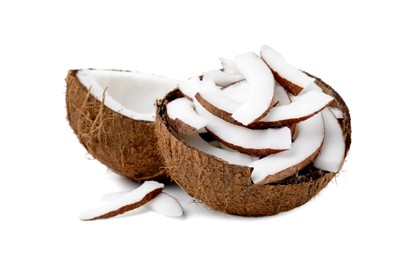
pixel 228 187
pixel 112 114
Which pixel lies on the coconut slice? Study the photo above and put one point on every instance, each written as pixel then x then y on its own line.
pixel 288 76
pixel 222 78
pixel 331 155
pixel 127 93
pixel 190 87
pixel 280 96
pixel 184 119
pixel 249 141
pixel 337 112
pixel 112 112
pixel 228 66
pixel 230 156
pixel 303 151
pixel 300 109
pixel 136 198
pixel 238 92
pixel 261 83
pixel 166 205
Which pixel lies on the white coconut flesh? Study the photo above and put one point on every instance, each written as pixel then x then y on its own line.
pixel 218 99
pixel 119 205
pixel 337 112
pixel 308 142
pixel 306 105
pixel 277 63
pixel 222 78
pixel 166 205
pixel 228 66
pixel 183 109
pixel 230 156
pixel 131 94
pixel 237 92
pixel 190 87
pixel 280 96
pixel 261 93
pixel 331 155
pixel 239 136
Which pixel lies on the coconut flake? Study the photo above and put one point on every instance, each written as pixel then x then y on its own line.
pixel 253 142
pixel 337 112
pixel 303 150
pixel 285 71
pixel 280 96
pixel 261 82
pixel 331 155
pixel 131 94
pixel 218 99
pixel 228 66
pixel 136 198
pixel 166 205
pixel 232 157
pixel 183 110
pixel 190 87
pixel 301 108
pixel 237 92
pixel 222 78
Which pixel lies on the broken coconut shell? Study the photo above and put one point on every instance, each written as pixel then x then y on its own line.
pixel 229 188
pixel 125 145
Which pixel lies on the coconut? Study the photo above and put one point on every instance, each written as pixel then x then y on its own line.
pixel 228 187
pixel 112 114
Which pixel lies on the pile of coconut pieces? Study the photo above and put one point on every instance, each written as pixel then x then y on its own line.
pixel 260 112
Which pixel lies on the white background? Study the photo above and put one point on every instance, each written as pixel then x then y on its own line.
pixel 367 50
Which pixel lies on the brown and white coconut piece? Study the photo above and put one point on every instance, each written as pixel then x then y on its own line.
pixel 228 187
pixel 253 142
pixel 288 76
pixel 112 114
pixel 221 78
pixel 261 93
pixel 184 119
pixel 331 155
pixel 166 205
pixel 132 200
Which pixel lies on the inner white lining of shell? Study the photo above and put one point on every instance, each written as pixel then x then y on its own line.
pixel 131 94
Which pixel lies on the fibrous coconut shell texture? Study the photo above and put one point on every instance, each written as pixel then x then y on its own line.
pixel 126 146
pixel 229 188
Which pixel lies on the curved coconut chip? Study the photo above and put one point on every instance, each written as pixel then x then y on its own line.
pixel 288 76
pixel 238 92
pixel 249 141
pixel 184 119
pixel 229 188
pixel 125 145
pixel 166 205
pixel 228 66
pixel 331 155
pixel 132 200
pixel 222 78
pixel 261 83
pixel 304 149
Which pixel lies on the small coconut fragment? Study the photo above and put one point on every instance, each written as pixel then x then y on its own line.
pixel 238 92
pixel 303 151
pixel 222 78
pixel 190 87
pixel 261 93
pixel 337 112
pixel 300 109
pixel 228 66
pixel 166 205
pixel 281 97
pixel 230 156
pixel 249 141
pixel 288 76
pixel 136 198
pixel 331 155
pixel 184 119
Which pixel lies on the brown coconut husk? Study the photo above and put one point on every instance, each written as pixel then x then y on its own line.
pixel 126 146
pixel 229 188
